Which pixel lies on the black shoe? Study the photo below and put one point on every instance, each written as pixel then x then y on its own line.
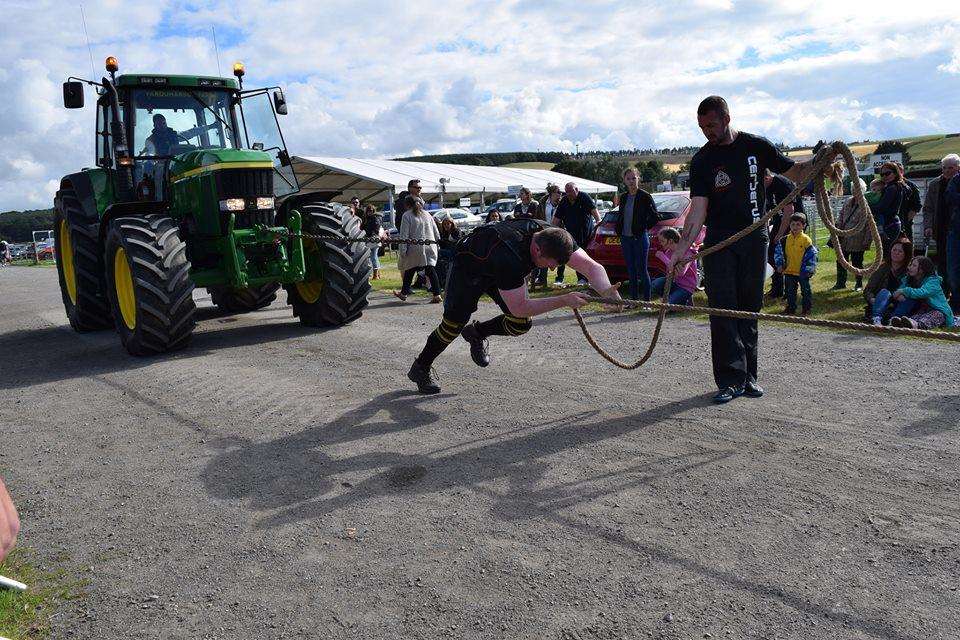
pixel 478 345
pixel 838 287
pixel 727 394
pixel 752 389
pixel 425 379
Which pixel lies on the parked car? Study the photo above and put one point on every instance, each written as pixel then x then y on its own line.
pixel 45 249
pixel 464 220
pixel 604 245
pixel 504 206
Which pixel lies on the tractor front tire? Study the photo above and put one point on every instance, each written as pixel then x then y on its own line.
pixel 243 300
pixel 149 286
pixel 338 296
pixel 79 266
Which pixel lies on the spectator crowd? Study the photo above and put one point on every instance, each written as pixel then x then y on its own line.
pixel 910 289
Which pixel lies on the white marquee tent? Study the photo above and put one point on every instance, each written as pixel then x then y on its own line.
pixel 378 181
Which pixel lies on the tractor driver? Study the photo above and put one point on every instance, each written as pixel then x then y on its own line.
pixel 162 139
pixel 495 260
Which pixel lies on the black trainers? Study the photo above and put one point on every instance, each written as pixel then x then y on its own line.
pixel 425 379
pixel 478 345
pixel 727 394
pixel 752 389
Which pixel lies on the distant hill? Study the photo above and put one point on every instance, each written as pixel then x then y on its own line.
pixel 18 226
pixel 492 159
pixel 923 150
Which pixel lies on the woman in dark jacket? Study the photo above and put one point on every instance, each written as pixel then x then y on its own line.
pixel 885 281
pixel 449 235
pixel 372 225
pixel 887 210
pixel 636 215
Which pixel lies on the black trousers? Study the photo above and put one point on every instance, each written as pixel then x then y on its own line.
pixel 432 278
pixel 776 280
pixel 735 279
pixel 856 259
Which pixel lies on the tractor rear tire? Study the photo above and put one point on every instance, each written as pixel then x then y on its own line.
pixel 79 266
pixel 341 296
pixel 149 285
pixel 244 300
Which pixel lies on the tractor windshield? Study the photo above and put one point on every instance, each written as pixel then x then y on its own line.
pixel 168 122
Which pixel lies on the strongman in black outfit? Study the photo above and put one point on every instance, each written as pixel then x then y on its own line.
pixel 495 260
pixel 727 189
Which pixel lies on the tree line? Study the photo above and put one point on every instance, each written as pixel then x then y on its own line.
pixel 18 226
pixel 492 159
pixel 609 169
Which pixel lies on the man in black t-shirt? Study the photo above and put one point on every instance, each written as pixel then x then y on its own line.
pixel 777 189
pixel 495 259
pixel 728 193
pixel 574 214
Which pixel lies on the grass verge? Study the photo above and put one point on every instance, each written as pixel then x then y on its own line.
pixel 26 615
pixel 31 263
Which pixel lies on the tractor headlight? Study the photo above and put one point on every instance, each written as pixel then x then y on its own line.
pixel 265 203
pixel 233 204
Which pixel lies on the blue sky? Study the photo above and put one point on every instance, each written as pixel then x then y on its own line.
pixel 379 79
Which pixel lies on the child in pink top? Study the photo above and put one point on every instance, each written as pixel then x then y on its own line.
pixel 685 282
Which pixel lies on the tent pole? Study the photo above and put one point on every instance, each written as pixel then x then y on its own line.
pixel 390 203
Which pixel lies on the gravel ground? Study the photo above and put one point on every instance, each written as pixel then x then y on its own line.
pixel 277 482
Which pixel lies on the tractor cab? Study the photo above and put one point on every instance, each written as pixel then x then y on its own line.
pixel 156 127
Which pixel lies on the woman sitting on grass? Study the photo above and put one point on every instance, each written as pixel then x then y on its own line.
pixel 880 287
pixel 921 303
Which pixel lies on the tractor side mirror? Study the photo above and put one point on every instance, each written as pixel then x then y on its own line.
pixel 73 95
pixel 279 103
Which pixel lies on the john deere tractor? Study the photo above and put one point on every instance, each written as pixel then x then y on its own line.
pixel 193 187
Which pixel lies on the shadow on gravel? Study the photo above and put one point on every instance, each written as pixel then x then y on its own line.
pixel 295 475
pixel 52 354
pixel 948 410
pixel 293 469
pixel 295 472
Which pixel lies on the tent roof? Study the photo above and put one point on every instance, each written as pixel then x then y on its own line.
pixel 374 180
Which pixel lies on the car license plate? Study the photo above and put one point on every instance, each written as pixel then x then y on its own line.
pixel 612 240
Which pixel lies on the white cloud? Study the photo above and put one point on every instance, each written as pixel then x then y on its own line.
pixel 372 78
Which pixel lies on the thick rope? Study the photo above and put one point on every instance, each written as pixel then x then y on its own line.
pixel 821 161
pixel 949 336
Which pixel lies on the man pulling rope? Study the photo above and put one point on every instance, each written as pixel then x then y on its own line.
pixel 495 260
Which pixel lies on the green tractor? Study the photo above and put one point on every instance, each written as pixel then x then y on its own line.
pixel 193 187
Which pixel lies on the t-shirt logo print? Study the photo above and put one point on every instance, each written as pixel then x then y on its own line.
pixel 722 180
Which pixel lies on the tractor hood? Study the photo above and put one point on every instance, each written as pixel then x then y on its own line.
pixel 198 162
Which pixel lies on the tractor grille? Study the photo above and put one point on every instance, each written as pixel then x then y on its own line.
pixel 248 184
pixel 244 183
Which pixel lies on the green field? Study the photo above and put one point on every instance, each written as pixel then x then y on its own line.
pixel 547 166
pixel 932 148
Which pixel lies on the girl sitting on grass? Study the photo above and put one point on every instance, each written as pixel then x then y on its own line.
pixel 684 282
pixel 921 303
